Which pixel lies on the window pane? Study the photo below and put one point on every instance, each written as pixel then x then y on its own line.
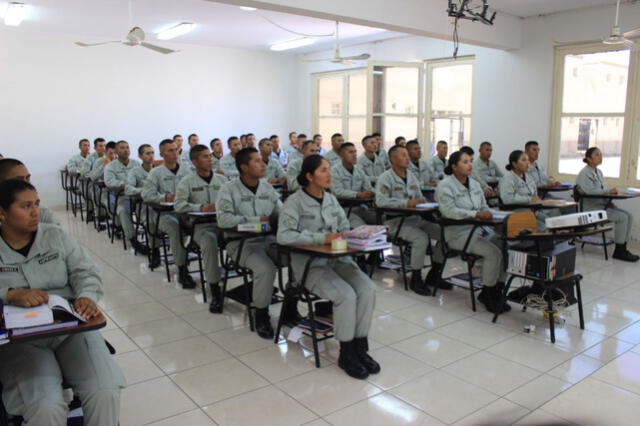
pixel 452 87
pixel 580 133
pixel 395 90
pixel 595 82
pixel 357 130
pixel 330 96
pixel 392 127
pixel 358 94
pixel 456 131
pixel 327 127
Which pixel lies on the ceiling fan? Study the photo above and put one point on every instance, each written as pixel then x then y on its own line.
pixel 337 57
pixel 135 37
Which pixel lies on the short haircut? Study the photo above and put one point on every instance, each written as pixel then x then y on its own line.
pixel 485 143
pixel 213 141
pixel 142 147
pixel 530 144
pixel 442 143
pixel 394 148
pixel 272 137
pixel 176 137
pixel 164 142
pixel 96 141
pixel 306 144
pixel 249 134
pixel 243 136
pixel 316 136
pixel 411 143
pixel 263 141
pixel 291 133
pixel 467 150
pixel 231 139
pixel 121 142
pixel 111 145
pixel 302 135
pixel 196 150
pixel 190 136
pixel 376 135
pixel 83 140
pixel 336 135
pixel 399 138
pixel 365 138
pixel 244 156
pixel 345 146
pixel 9 189
pixel 6 164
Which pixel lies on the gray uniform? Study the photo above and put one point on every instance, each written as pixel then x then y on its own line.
pixel 459 202
pixel 228 166
pixel 191 194
pixel 280 157
pixel 422 172
pixel 346 184
pixel 161 182
pixel 273 170
pixel 115 175
pixel 77 164
pixel 485 173
pixel 437 165
pixel 96 173
pixel 238 204
pixel 185 159
pixel 133 188
pixel 293 170
pixel 537 173
pixel 47 216
pixel 32 373
pixel 372 168
pixel 516 190
pixel 591 181
pixel 393 191
pixel 90 160
pixel 294 155
pixel 333 158
pixel 384 156
pixel 304 221
pixel 215 163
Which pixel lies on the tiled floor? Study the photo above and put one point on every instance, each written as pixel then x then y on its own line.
pixel 441 362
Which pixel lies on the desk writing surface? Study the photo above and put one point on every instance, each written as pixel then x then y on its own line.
pixel 319 250
pixel 562 234
pixel 94 323
pixel 201 214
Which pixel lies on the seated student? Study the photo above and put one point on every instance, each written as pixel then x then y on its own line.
pixel 38 260
pixel 243 141
pixel 160 186
pixel 438 162
pixel 400 140
pixel 381 152
pixel 274 173
pixel 467 150
pixel 318 141
pixel 97 170
pixel 216 154
pixel 183 154
pixel 115 176
pixel 461 197
pixel 251 140
pixel 250 199
pixel 397 187
pixel 278 153
pixel 349 181
pixel 293 143
pixel 313 216
pixel 417 165
pixel 371 164
pixel 228 162
pixel 297 153
pixel 99 146
pixel 308 148
pixel 485 170
pixel 11 168
pixel 197 192
pixel 536 171
pixel 333 156
pixel 591 181
pixel 76 164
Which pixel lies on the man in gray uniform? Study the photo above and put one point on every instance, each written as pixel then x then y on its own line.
pixel 216 154
pixel 160 186
pixel 397 187
pixel 333 156
pixel 228 162
pixel 197 192
pixel 249 199
pixel 36 261
pixel 381 152
pixel 99 147
pixel 349 181
pixel 485 170
pixel 308 148
pixel 133 189
pixel 76 164
pixel 371 164
pixel 278 154
pixel 274 173
pixel 115 178
pixel 438 162
pixel 97 172
pixel 417 165
pixel 297 154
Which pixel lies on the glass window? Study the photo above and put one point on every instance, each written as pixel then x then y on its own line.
pixel 358 94
pixel 330 96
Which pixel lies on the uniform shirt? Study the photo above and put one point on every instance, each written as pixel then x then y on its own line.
pixel 333 158
pixel 161 182
pixel 293 170
pixel 591 181
pixel 228 166
pixel 77 164
pixel 393 191
pixel 135 181
pixel 115 173
pixel 55 263
pixel 88 162
pixel 97 170
pixel 215 162
pixel 516 190
pixel 373 169
pixel 193 192
pixel 345 184
pixel 281 157
pixel 486 173
pixel 537 173
pixel 421 171
pixel 437 165
pixel 184 159
pixel 456 201
pixel 295 155
pixel 385 158
pixel 47 216
pixel 273 170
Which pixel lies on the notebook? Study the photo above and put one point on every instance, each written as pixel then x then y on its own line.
pixel 44 317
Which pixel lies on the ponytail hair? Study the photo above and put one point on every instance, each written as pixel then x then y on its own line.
pixel 454 159
pixel 589 154
pixel 513 158
pixel 309 165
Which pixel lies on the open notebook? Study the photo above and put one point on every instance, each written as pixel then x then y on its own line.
pixel 57 313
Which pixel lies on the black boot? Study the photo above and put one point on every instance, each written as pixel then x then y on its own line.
pixel 362 346
pixel 155 258
pixel 215 307
pixel 139 248
pixel 263 324
pixel 621 253
pixel 490 299
pixel 290 314
pixel 349 361
pixel 184 278
pixel 499 293
pixel 434 277
pixel 417 285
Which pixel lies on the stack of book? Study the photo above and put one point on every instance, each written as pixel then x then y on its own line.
pixel 57 313
pixel 368 238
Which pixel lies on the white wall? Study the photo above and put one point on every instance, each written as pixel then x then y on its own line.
pixel 53 93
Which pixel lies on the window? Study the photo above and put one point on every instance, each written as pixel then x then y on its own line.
pixel 590 111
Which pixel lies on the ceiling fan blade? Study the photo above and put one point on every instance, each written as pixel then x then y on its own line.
pixel 630 44
pixel 346 62
pixel 362 57
pixel 318 60
pixel 157 48
pixel 81 44
pixel 632 33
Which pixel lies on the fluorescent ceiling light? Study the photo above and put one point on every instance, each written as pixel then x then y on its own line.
pixel 292 44
pixel 248 9
pixel 176 31
pixel 15 13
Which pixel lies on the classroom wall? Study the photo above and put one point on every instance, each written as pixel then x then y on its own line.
pixel 53 93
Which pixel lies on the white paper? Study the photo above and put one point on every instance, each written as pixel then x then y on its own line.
pixel 427 206
pixel 295 334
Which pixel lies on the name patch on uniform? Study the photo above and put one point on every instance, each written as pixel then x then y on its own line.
pixel 307 216
pixel 263 197
pixel 9 269
pixel 198 189
pixel 49 258
pixel 246 198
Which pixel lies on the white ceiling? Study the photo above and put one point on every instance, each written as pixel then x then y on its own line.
pixel 528 8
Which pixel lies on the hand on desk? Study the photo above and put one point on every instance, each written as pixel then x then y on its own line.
pixel 484 215
pixel 331 236
pixel 488 192
pixel 27 298
pixel 86 307
pixel 211 207
pixel 536 200
pixel 365 194
pixel 413 203
pixel 613 191
pixel 170 198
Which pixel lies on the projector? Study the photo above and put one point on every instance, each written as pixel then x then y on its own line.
pixel 575 219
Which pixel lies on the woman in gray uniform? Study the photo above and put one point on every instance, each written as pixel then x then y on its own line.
pixel 461 197
pixel 37 260
pixel 313 216
pixel 591 181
